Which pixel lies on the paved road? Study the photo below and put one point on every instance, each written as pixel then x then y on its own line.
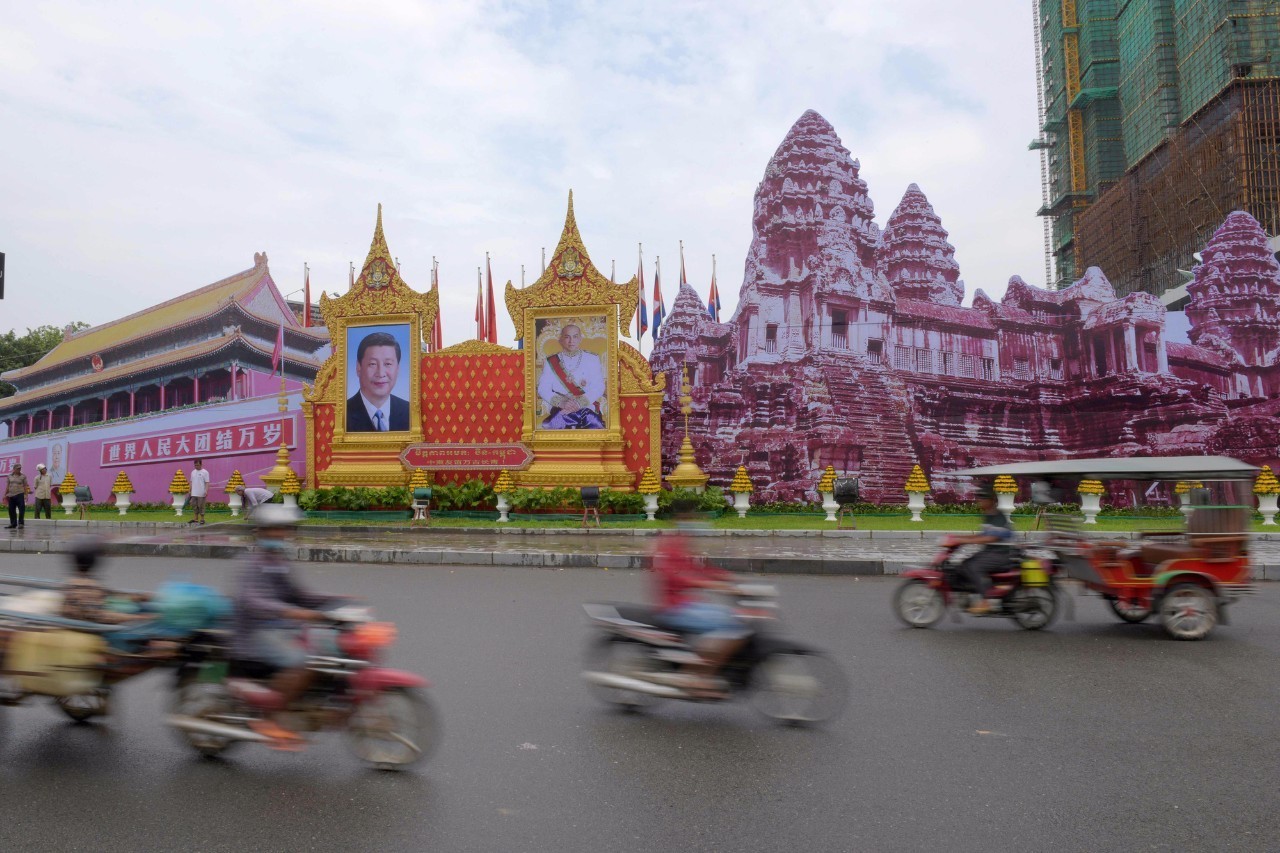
pixel 973 736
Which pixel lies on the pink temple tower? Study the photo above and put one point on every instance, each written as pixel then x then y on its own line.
pixel 1235 297
pixel 813 239
pixel 915 256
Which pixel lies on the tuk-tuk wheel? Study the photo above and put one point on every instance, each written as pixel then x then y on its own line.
pixel 1129 611
pixel 1189 611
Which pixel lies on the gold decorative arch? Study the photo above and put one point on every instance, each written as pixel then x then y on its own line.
pixel 379 297
pixel 572 290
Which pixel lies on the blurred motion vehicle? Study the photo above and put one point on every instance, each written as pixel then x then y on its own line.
pixel 77 663
pixel 386 714
pixel 635 658
pixel 1184 578
pixel 1023 589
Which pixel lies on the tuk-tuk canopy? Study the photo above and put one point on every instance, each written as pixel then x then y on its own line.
pixel 1125 468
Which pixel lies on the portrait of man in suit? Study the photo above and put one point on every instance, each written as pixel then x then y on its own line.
pixel 377 371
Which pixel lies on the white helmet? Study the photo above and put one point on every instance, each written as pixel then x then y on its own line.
pixel 275 516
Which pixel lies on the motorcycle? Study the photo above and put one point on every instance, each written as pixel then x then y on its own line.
pixel 1022 590
pixel 633 656
pixel 388 718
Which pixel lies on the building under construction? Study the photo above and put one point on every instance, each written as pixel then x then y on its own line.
pixel 1158 118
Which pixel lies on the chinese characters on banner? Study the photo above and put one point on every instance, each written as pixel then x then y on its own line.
pixel 7 463
pixel 255 437
pixel 467 457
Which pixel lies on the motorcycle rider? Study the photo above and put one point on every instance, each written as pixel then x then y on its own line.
pixel 271 611
pixel 717 634
pixel 995 535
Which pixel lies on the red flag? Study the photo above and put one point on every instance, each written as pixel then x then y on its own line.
pixel 306 296
pixel 277 354
pixel 481 333
pixel 491 311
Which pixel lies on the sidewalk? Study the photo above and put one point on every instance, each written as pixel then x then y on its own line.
pixel 827 552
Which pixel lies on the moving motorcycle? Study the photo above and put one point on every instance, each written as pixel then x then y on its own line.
pixel 633 655
pixel 1023 590
pixel 385 713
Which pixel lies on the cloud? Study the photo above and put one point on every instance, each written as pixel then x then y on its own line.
pixel 151 152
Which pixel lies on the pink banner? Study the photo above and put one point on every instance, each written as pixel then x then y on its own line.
pixel 218 441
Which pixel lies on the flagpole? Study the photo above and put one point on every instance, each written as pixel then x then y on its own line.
pixel 613 271
pixel 306 295
pixel 522 276
pixel 640 288
pixel 544 259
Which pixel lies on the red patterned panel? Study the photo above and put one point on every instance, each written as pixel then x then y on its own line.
pixel 472 399
pixel 635 433
pixel 323 438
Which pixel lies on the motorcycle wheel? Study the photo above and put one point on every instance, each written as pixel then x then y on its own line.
pixel 85 706
pixel 621 657
pixel 203 701
pixel 917 604
pixel 1188 612
pixel 1129 612
pixel 1034 607
pixel 799 687
pixel 394 729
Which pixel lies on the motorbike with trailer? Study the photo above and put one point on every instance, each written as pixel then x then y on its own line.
pixel 77 665
pixel 1185 579
pixel 634 653
pixel 1024 589
pixel 386 714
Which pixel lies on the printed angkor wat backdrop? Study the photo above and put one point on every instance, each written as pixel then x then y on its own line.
pixel 850 347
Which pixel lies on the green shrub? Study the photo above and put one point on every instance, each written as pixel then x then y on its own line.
pixel 562 497
pixel 473 494
pixel 622 503
pixel 711 499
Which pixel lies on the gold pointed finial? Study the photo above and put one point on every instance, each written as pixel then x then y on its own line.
pixel 377 248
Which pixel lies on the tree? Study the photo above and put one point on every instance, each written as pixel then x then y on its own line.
pixel 22 350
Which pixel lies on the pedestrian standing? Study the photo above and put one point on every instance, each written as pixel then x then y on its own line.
pixel 15 492
pixel 42 491
pixel 199 478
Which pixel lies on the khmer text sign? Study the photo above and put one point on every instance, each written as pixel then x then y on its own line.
pixel 467 457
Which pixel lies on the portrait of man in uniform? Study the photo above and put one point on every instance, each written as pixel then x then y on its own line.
pixel 375 372
pixel 571 381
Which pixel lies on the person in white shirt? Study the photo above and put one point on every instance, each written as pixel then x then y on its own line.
pixel 253 498
pixel 199 478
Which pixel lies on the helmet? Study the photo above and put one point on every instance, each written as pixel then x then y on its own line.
pixel 275 516
pixel 84 552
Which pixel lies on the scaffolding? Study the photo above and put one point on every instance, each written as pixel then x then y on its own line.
pixel 1138 160
pixel 1225 158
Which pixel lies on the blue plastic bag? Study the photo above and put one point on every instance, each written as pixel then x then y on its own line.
pixel 185 606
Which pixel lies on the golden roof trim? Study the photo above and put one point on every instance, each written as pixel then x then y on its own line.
pixel 572 279
pixel 95 340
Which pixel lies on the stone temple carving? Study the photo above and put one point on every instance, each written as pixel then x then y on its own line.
pixel 851 348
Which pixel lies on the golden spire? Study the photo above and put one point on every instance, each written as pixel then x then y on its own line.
pixel 377 248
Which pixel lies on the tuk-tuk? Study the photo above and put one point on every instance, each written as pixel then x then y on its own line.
pixel 1186 576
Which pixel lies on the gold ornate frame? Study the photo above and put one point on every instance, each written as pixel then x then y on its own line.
pixel 379 297
pixel 571 286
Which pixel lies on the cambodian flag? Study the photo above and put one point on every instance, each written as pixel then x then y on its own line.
pixel 659 310
pixel 713 301
pixel 642 310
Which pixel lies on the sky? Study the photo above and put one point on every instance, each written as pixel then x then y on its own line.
pixel 150 148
